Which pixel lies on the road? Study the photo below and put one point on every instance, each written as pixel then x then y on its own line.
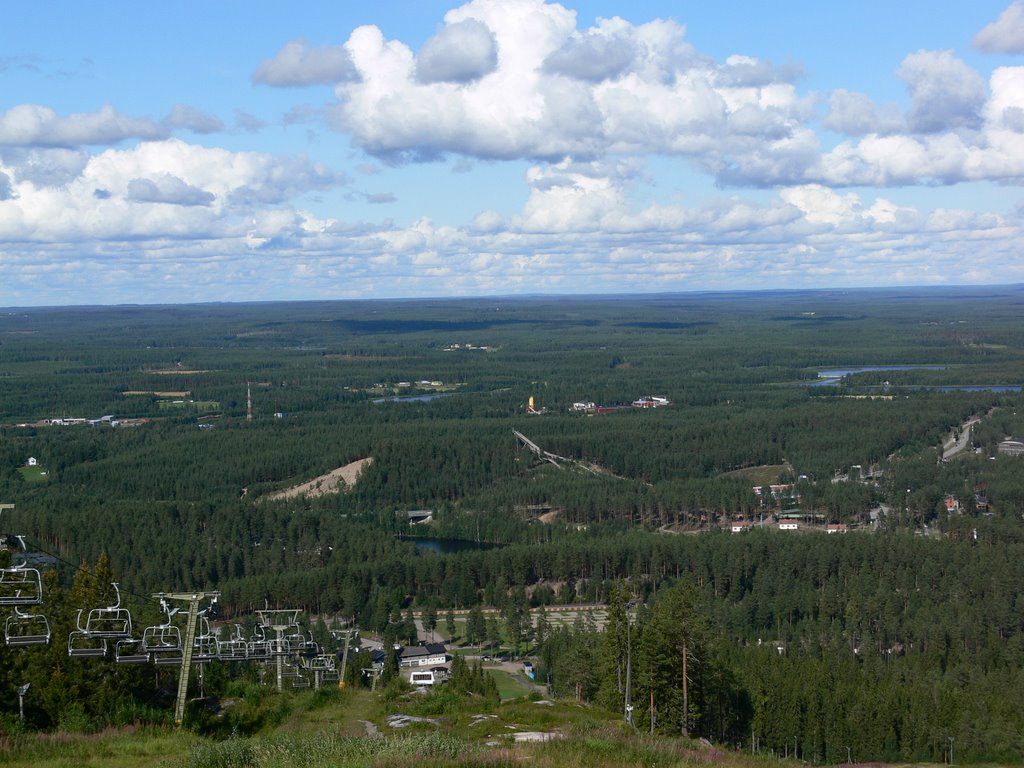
pixel 953 445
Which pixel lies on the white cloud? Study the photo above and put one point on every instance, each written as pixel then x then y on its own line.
pixel 44 166
pixel 192 119
pixel 855 114
pixel 592 111
pixel 618 89
pixel 32 125
pixel 157 189
pixel 945 93
pixel 166 188
pixel 747 71
pixel 598 54
pixel 459 53
pixel 555 90
pixel 6 187
pixel 247 122
pixel 993 151
pixel 1005 34
pixel 820 204
pixel 297 63
pixel 805 235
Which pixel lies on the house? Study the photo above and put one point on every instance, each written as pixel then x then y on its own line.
pixel 32 462
pixel 423 655
pixel 789 525
pixel 419 516
pixel 739 527
pixel 425 677
pixel 836 528
pixel 651 401
pixel 952 503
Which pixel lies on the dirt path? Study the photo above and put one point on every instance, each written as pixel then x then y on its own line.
pixel 333 482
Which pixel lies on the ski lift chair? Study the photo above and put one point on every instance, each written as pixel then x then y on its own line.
pixel 129 651
pixel 281 646
pixel 26 629
pixel 320 663
pixel 204 645
pixel 305 646
pixel 20 585
pixel 82 645
pixel 164 640
pixel 171 657
pixel 260 647
pixel 13 542
pixel 235 649
pixel 112 622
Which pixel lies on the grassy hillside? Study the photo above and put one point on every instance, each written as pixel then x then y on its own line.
pixel 359 728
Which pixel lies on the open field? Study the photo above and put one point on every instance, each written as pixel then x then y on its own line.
pixel 156 393
pixel 761 476
pixel 35 474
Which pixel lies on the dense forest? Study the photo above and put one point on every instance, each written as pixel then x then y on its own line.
pixel 152 441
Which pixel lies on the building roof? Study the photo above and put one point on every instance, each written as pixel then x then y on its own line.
pixel 423 649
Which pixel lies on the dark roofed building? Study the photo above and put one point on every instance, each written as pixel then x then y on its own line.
pixel 423 655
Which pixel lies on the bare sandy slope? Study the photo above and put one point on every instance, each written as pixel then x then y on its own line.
pixel 334 481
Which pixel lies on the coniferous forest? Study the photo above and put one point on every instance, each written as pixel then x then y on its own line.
pixel 668 437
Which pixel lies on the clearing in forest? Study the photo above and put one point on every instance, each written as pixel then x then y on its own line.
pixel 766 474
pixel 334 481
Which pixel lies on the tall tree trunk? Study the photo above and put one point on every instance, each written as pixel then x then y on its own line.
pixel 686 697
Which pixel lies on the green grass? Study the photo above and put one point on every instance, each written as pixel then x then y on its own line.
pixel 325 730
pixel 34 474
pixel 508 686
pixel 180 405
pixel 767 474
pixel 129 748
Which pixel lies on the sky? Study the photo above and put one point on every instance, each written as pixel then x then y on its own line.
pixel 254 151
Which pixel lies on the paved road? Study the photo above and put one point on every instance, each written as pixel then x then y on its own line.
pixel 954 446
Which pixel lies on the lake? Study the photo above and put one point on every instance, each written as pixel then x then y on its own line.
pixel 833 376
pixel 448 546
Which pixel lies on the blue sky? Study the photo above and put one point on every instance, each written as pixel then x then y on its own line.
pixel 236 151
